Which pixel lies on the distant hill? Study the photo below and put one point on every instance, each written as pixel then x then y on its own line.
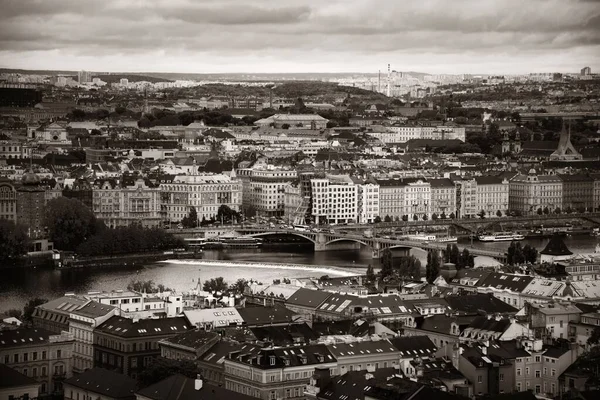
pixel 115 78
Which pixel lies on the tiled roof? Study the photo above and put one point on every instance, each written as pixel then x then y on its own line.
pixel 412 346
pixel 193 339
pixel 23 337
pixel 285 335
pixel 556 247
pixel 501 281
pixel 93 310
pixel 266 315
pixel 361 348
pixel 63 305
pixel 284 357
pixel 341 327
pixel 308 298
pixel 126 327
pixel 104 383
pixel 9 378
pixel 179 387
pixel 217 316
pixel 217 353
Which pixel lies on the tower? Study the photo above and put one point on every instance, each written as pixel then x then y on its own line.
pixel 565 151
pixel 388 81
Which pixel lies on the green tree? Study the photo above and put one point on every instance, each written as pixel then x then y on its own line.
pixel 432 269
pixel 530 254
pixel 387 263
pixel 29 309
pixel 14 241
pixel 498 213
pixel 546 211
pixel 70 223
pixel 370 273
pixel 515 254
pixel 557 210
pixel 239 286
pixel 540 211
pixel 161 368
pixel 147 287
pixel 377 219
pixel 452 216
pixel 568 210
pixel 443 216
pixel 415 217
pixel 434 216
pixel 387 218
pixel 227 214
pixel 215 285
pixel 249 211
pixel 190 220
pixel 481 214
pixel 465 260
pixel 447 253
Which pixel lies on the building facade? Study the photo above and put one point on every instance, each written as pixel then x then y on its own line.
pixel 443 197
pixel 528 193
pixel 491 195
pixel 577 192
pixel 264 190
pixel 334 200
pixel 8 200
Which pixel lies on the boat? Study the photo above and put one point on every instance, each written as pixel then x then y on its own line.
pixel 421 238
pixel 447 239
pixel 241 242
pixel 500 237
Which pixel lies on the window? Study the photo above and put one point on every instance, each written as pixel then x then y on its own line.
pixel 58 353
pixel 35 355
pixel 527 371
pixel 538 358
pixel 538 389
pixel 518 386
pixel 537 373
pixel 43 355
pixel 518 371
pixel 479 379
pixel 545 371
pixel 553 372
pixel 501 377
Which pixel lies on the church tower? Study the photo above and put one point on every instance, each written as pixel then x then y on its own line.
pixel 565 151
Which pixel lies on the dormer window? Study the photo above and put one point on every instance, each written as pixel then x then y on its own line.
pixel 272 360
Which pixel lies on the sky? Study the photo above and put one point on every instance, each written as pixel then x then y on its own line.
pixel 294 36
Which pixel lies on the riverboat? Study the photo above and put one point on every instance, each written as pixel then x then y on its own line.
pixel 500 237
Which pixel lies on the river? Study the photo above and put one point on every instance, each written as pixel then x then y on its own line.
pixel 19 285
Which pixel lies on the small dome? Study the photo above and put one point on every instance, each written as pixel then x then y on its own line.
pixel 30 178
pixel 532 171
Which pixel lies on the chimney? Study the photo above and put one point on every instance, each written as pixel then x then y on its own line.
pixel 198 382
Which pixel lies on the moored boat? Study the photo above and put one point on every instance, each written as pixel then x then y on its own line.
pixel 500 237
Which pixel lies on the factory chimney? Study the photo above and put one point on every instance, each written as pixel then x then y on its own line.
pixel 388 81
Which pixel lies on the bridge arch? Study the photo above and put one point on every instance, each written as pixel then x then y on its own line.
pixel 347 240
pixel 262 234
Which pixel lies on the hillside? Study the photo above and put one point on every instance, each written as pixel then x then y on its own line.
pixel 115 78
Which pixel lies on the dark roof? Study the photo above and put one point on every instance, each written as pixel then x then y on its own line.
pixel 555 351
pixel 285 335
pixel 104 382
pixel 126 327
pixel 515 283
pixel 488 180
pixel 294 356
pixel 94 309
pixel 443 182
pixel 420 345
pixel 193 339
pixel 179 387
pixel 441 323
pixel 357 348
pixel 556 247
pixel 9 378
pixel 217 353
pixel 354 384
pixel 472 303
pixel 490 324
pixel 266 315
pixel 341 327
pixel 308 298
pixel 23 337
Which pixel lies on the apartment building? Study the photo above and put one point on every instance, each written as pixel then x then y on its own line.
pixel 128 345
pixel 205 192
pixel 552 320
pixel 368 202
pixel 596 193
pixel 417 199
pixel 55 315
pixel 8 200
pixel 391 198
pixel 276 373
pixel 264 189
pixel 466 198
pixel 577 192
pixel 491 195
pixel 404 133
pixel 99 383
pixel 334 200
pixel 528 193
pixel 120 203
pixel 443 196
pixel 367 355
pixel 39 354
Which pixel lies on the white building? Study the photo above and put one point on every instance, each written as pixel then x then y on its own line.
pixel 334 200
pixel 368 202
pixel 264 189
pixel 417 199
pixel 405 132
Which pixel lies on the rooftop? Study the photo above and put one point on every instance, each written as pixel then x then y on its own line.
pixel 104 382
pixel 126 327
pixel 24 337
pixel 179 387
pixel 9 378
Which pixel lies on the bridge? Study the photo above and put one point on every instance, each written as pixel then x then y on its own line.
pixel 330 241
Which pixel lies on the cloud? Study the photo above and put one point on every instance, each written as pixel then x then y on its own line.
pixel 300 33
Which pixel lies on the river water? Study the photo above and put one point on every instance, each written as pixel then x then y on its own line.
pixel 19 285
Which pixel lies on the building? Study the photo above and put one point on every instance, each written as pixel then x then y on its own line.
pixel 368 202
pixel 443 196
pixel 8 200
pixel 128 345
pixel 466 198
pixel 531 192
pixel 334 200
pixel 120 203
pixel 596 195
pixel 491 195
pixel 295 206
pixel 15 385
pixel 11 150
pixel 565 151
pixel 99 383
pixel 367 355
pixel 417 200
pixel 188 345
pixel 205 192
pixel 586 71
pixel 55 315
pixel 552 320
pixel 39 354
pixel 296 121
pixel 264 189
pixel 577 192
pixel 179 387
pixel 402 133
pixel 391 198
pixel 31 206
pixel 84 77
pixel 275 373
pixel 490 373
pixel 82 322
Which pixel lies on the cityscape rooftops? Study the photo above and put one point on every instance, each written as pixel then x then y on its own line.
pixel 93 309
pixel 179 387
pixel 556 247
pixel 104 382
pixel 361 348
pixel 129 328
pixel 24 337
pixel 218 317
pixel 308 298
pixel 10 378
pixel 472 303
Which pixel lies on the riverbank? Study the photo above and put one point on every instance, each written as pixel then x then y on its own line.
pixel 125 260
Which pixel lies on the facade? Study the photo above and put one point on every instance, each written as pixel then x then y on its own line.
pixel 8 200
pixel 466 198
pixel 275 373
pixel 391 198
pixel 264 189
pixel 189 345
pixel 205 192
pixel 596 195
pixel 404 133
pixel 491 195
pixel 295 205
pixel 119 204
pixel 31 206
pixel 417 200
pixel 443 196
pixel 367 355
pixel 552 320
pixel 368 203
pixel 528 193
pixel 296 121
pixel 128 345
pixel 11 150
pixel 39 354
pixel 489 373
pixel 577 192
pixel 334 200
pixel 54 315
pixel 82 323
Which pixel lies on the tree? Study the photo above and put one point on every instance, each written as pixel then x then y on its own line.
pixel 161 368
pixel 540 211
pixel 546 211
pixel 120 110
pixel 70 223
pixel 481 214
pixel 29 309
pixel 432 269
pixel 557 211
pixel 405 218
pixel 285 126
pixel 499 213
pixel 14 313
pixel 515 254
pixel 443 216
pixel 447 252
pixel 434 216
pixel 227 214
pixel 147 287
pixel 370 273
pixel 415 217
pixel 409 268
pixel 455 255
pixel 530 254
pixel 568 210
pixel 425 217
pixel 387 263
pixel 215 285
pixel 465 259
pixel 452 216
pixel 14 241
pixel 594 338
pixel 377 219
pixel 190 220
pixel 239 286
pixel 387 218
pixel 249 211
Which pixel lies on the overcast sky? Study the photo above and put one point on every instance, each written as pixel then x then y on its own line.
pixel 212 36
